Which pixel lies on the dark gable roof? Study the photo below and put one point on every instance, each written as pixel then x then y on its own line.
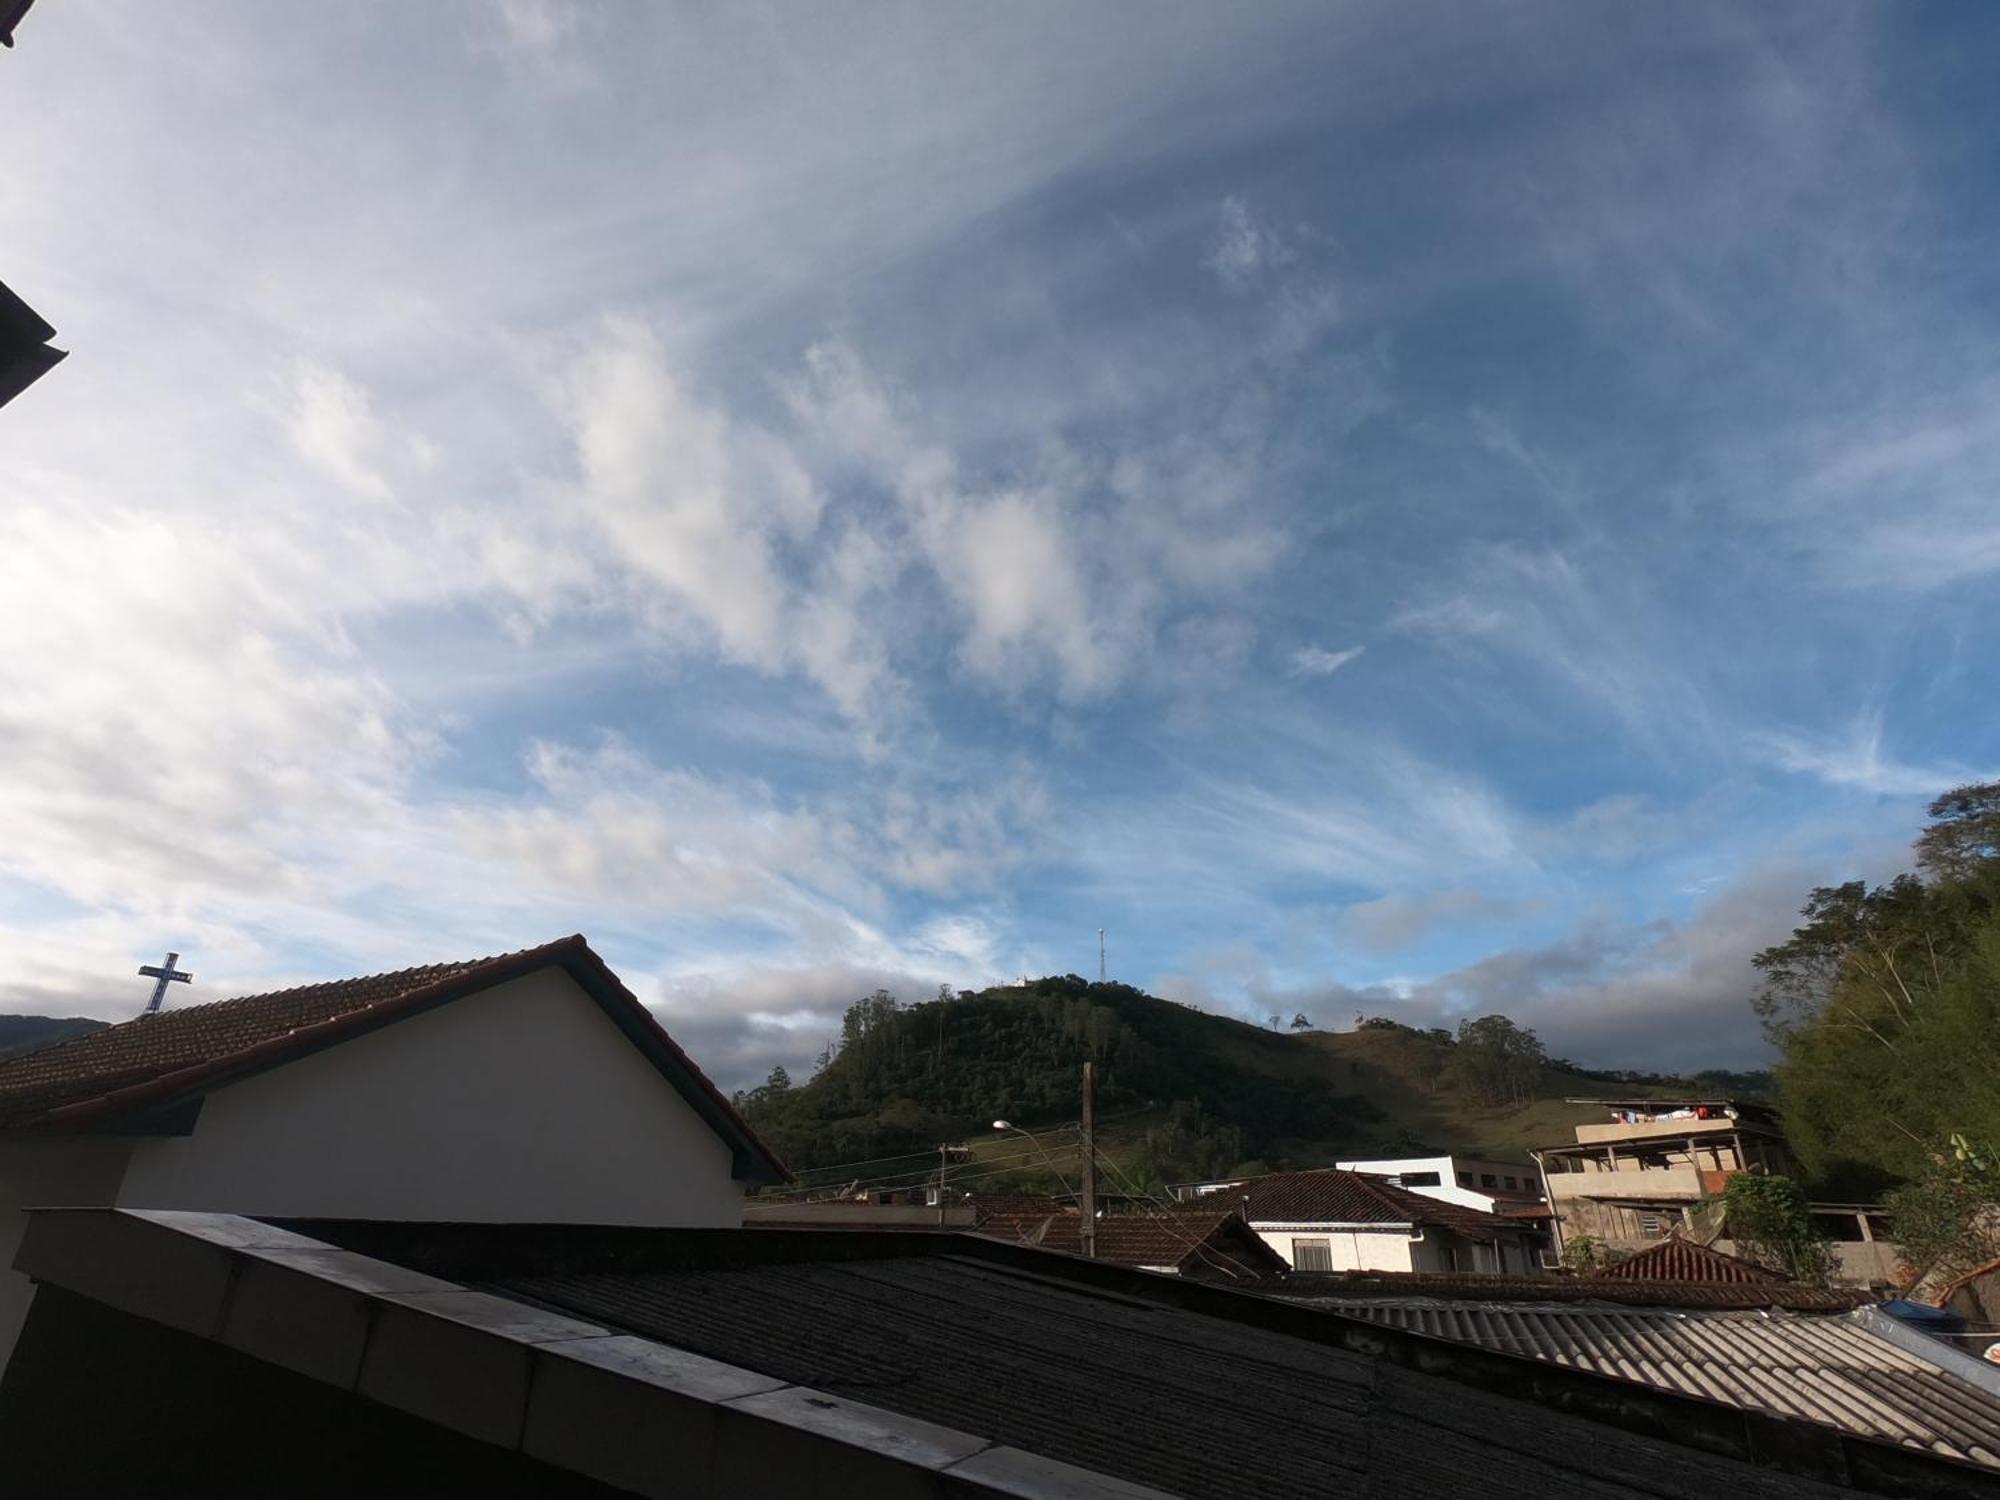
pixel 148 1065
pixel 1210 1239
pixel 1677 1259
pixel 1336 1197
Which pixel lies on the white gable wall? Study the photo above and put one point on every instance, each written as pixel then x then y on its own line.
pixel 1389 1248
pixel 522 1103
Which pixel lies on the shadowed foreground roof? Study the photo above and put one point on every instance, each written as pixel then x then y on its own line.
pixel 944 1364
pixel 153 1062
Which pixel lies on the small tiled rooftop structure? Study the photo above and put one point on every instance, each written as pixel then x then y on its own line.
pixel 1831 1370
pixel 155 1062
pixel 695 1363
pixel 1332 1196
pixel 1677 1259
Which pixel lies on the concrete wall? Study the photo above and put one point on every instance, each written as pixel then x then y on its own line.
pixel 1352 1249
pixel 1448 1188
pixel 1627 1182
pixel 46 1174
pixel 523 1103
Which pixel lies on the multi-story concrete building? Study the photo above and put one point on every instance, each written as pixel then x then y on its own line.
pixel 1636 1177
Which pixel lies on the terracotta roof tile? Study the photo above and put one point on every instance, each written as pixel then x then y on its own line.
pixel 151 1047
pixel 1677 1259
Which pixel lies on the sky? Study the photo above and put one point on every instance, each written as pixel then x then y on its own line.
pixel 1410 510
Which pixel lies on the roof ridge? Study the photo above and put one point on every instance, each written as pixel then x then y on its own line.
pixel 450 966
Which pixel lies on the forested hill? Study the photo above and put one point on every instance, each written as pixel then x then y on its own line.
pixel 1181 1093
pixel 28 1033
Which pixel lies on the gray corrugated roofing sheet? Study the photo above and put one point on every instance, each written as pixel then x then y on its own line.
pixel 1817 1368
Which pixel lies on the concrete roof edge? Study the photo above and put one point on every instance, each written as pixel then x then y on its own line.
pixel 400 1337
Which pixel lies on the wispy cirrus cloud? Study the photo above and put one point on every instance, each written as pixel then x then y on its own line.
pixel 1317 661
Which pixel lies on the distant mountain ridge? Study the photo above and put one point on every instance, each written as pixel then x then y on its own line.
pixel 1181 1092
pixel 30 1033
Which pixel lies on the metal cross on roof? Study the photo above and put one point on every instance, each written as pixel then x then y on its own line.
pixel 162 975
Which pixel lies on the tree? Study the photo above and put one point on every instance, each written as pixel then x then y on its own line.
pixel 1583 1252
pixel 1498 1062
pixel 1274 1022
pixel 1963 841
pixel 1188 1145
pixel 1770 1223
pixel 1885 1006
pixel 1300 1023
pixel 1946 1220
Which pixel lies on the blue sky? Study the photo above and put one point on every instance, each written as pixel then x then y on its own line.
pixel 1388 509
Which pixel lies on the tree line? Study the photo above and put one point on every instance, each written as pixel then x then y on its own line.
pixel 1884 1004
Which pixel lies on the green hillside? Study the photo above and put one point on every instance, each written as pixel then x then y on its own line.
pixel 31 1033
pixel 1181 1093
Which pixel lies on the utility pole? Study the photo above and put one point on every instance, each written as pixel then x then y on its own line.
pixel 1100 955
pixel 943 1151
pixel 1088 1231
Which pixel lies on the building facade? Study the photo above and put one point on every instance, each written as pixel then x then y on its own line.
pixel 532 1088
pixel 1636 1177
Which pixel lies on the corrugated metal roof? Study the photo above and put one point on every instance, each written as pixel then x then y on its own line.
pixel 1815 1368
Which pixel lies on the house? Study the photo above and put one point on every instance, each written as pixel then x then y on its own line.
pixel 1331 1220
pixel 1632 1179
pixel 532 1087
pixel 224 1355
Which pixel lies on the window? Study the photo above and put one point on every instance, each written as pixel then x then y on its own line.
pixel 1488 1181
pixel 1652 1225
pixel 1312 1255
pixel 1465 1179
pixel 1511 1182
pixel 1420 1179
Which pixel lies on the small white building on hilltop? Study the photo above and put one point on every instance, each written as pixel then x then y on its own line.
pixel 532 1088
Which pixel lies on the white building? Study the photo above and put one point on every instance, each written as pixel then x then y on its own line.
pixel 533 1088
pixel 1475 1182
pixel 1337 1220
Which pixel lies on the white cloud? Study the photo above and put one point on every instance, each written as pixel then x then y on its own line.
pixel 1245 246
pixel 1858 762
pixel 1316 661
pixel 336 430
pixel 1397 921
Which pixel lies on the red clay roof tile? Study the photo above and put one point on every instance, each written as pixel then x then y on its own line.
pixel 174 1054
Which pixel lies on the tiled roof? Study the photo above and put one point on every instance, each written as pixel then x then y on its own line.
pixel 1827 1370
pixel 1336 1197
pixel 152 1047
pixel 1676 1259
pixel 159 1060
pixel 1181 1236
pixel 1340 1285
